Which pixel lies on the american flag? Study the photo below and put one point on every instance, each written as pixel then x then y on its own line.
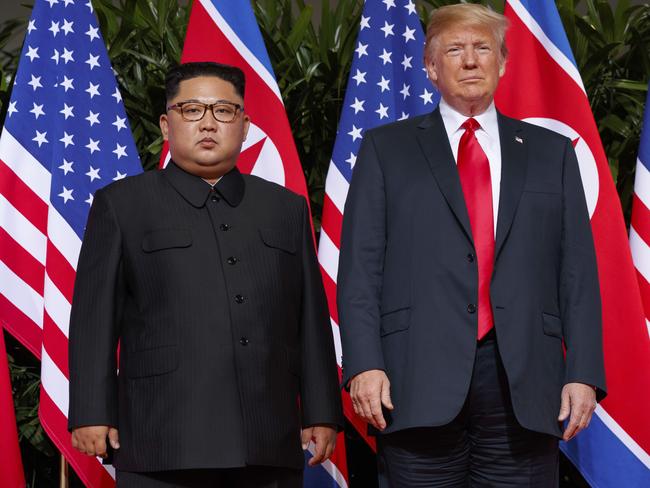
pixel 542 85
pixel 66 134
pixel 387 82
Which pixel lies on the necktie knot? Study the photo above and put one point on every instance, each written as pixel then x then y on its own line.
pixel 471 125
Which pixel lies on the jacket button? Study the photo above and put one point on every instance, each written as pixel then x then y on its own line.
pixel 471 308
pixel 239 298
pixel 470 257
pixel 224 227
pixel 232 260
pixel 243 341
pixel 214 198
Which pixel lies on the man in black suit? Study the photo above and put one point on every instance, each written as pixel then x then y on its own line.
pixel 208 281
pixel 467 263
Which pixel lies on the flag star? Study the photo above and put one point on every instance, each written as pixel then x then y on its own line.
pixel 365 23
pixel 92 61
pixel 32 52
pixel 119 151
pixel 52 2
pixel 387 29
pixel 89 200
pixel 37 110
pixel 92 90
pixel 89 4
pixel 117 95
pixel 67 55
pixel 384 84
pixel 389 4
pixel 427 97
pixel 360 77
pixel 385 57
pixel 361 50
pixel 68 2
pixel 92 32
pixel 352 160
pixel 404 116
pixel 405 90
pixel 67 111
pixel 35 82
pixel 31 26
pixel 55 56
pixel 66 195
pixel 54 28
pixel 93 174
pixel 40 138
pixel 406 62
pixel 12 108
pixel 67 27
pixel 410 7
pixel 120 123
pixel 67 139
pixel 408 34
pixel 382 111
pixel 357 105
pixel 355 133
pixel 66 167
pixel 67 83
pixel 93 118
pixel 119 176
pixel 93 145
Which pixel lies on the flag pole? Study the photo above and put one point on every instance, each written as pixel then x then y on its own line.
pixel 64 479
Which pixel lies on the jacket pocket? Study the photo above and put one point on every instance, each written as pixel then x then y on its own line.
pixel 552 325
pixel 395 321
pixel 152 362
pixel 157 240
pixel 278 240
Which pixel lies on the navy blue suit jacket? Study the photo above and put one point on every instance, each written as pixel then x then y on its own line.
pixel 407 275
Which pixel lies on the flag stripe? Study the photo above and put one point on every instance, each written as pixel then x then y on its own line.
pixel 330 293
pixel 28 301
pixel 642 182
pixel 55 342
pixel 641 254
pixel 22 198
pixel 56 305
pixel 60 271
pixel 20 262
pixel 332 220
pixel 19 324
pixel 25 166
pixel 22 230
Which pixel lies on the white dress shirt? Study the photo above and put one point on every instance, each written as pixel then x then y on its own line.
pixel 488 138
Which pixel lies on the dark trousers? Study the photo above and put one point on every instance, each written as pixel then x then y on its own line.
pixel 248 477
pixel 484 446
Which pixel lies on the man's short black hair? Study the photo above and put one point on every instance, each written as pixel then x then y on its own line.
pixel 187 71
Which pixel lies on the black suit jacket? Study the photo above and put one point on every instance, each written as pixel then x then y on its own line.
pixel 217 302
pixel 407 273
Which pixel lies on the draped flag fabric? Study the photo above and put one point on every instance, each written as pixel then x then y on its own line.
pixel 542 85
pixel 387 83
pixel 11 465
pixel 226 32
pixel 65 135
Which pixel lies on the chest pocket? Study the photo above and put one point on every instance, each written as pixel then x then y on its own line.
pixel 157 240
pixel 278 240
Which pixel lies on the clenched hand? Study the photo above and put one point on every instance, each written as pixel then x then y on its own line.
pixel 324 439
pixel 91 439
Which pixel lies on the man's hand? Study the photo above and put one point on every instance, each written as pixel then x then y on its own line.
pixel 369 391
pixel 579 400
pixel 324 438
pixel 91 440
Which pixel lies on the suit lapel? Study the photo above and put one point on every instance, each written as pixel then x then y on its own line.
pixel 513 175
pixel 434 143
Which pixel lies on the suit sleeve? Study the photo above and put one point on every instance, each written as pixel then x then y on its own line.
pixel 580 305
pixel 93 321
pixel 361 263
pixel 319 392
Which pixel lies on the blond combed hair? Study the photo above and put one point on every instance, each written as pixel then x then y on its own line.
pixel 467 15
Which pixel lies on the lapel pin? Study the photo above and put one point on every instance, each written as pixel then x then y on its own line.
pixel 519 140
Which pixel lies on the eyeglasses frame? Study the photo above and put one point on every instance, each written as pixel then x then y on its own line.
pixel 207 106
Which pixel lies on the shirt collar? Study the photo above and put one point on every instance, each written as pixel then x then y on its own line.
pixel 453 120
pixel 196 191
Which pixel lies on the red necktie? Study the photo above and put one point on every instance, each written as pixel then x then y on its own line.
pixel 474 171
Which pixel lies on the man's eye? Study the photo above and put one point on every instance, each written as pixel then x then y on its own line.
pixel 192 109
pixel 223 109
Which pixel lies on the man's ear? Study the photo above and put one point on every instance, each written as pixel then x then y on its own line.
pixel 431 71
pixel 164 126
pixel 247 125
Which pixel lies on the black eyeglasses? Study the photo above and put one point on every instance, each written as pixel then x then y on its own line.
pixel 222 110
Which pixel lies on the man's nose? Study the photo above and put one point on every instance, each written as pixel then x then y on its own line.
pixel 469 58
pixel 208 122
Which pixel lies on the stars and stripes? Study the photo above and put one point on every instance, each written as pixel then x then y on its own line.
pixel 58 146
pixel 542 85
pixel 387 82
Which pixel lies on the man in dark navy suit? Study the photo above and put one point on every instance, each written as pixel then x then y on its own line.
pixel 467 264
pixel 209 281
